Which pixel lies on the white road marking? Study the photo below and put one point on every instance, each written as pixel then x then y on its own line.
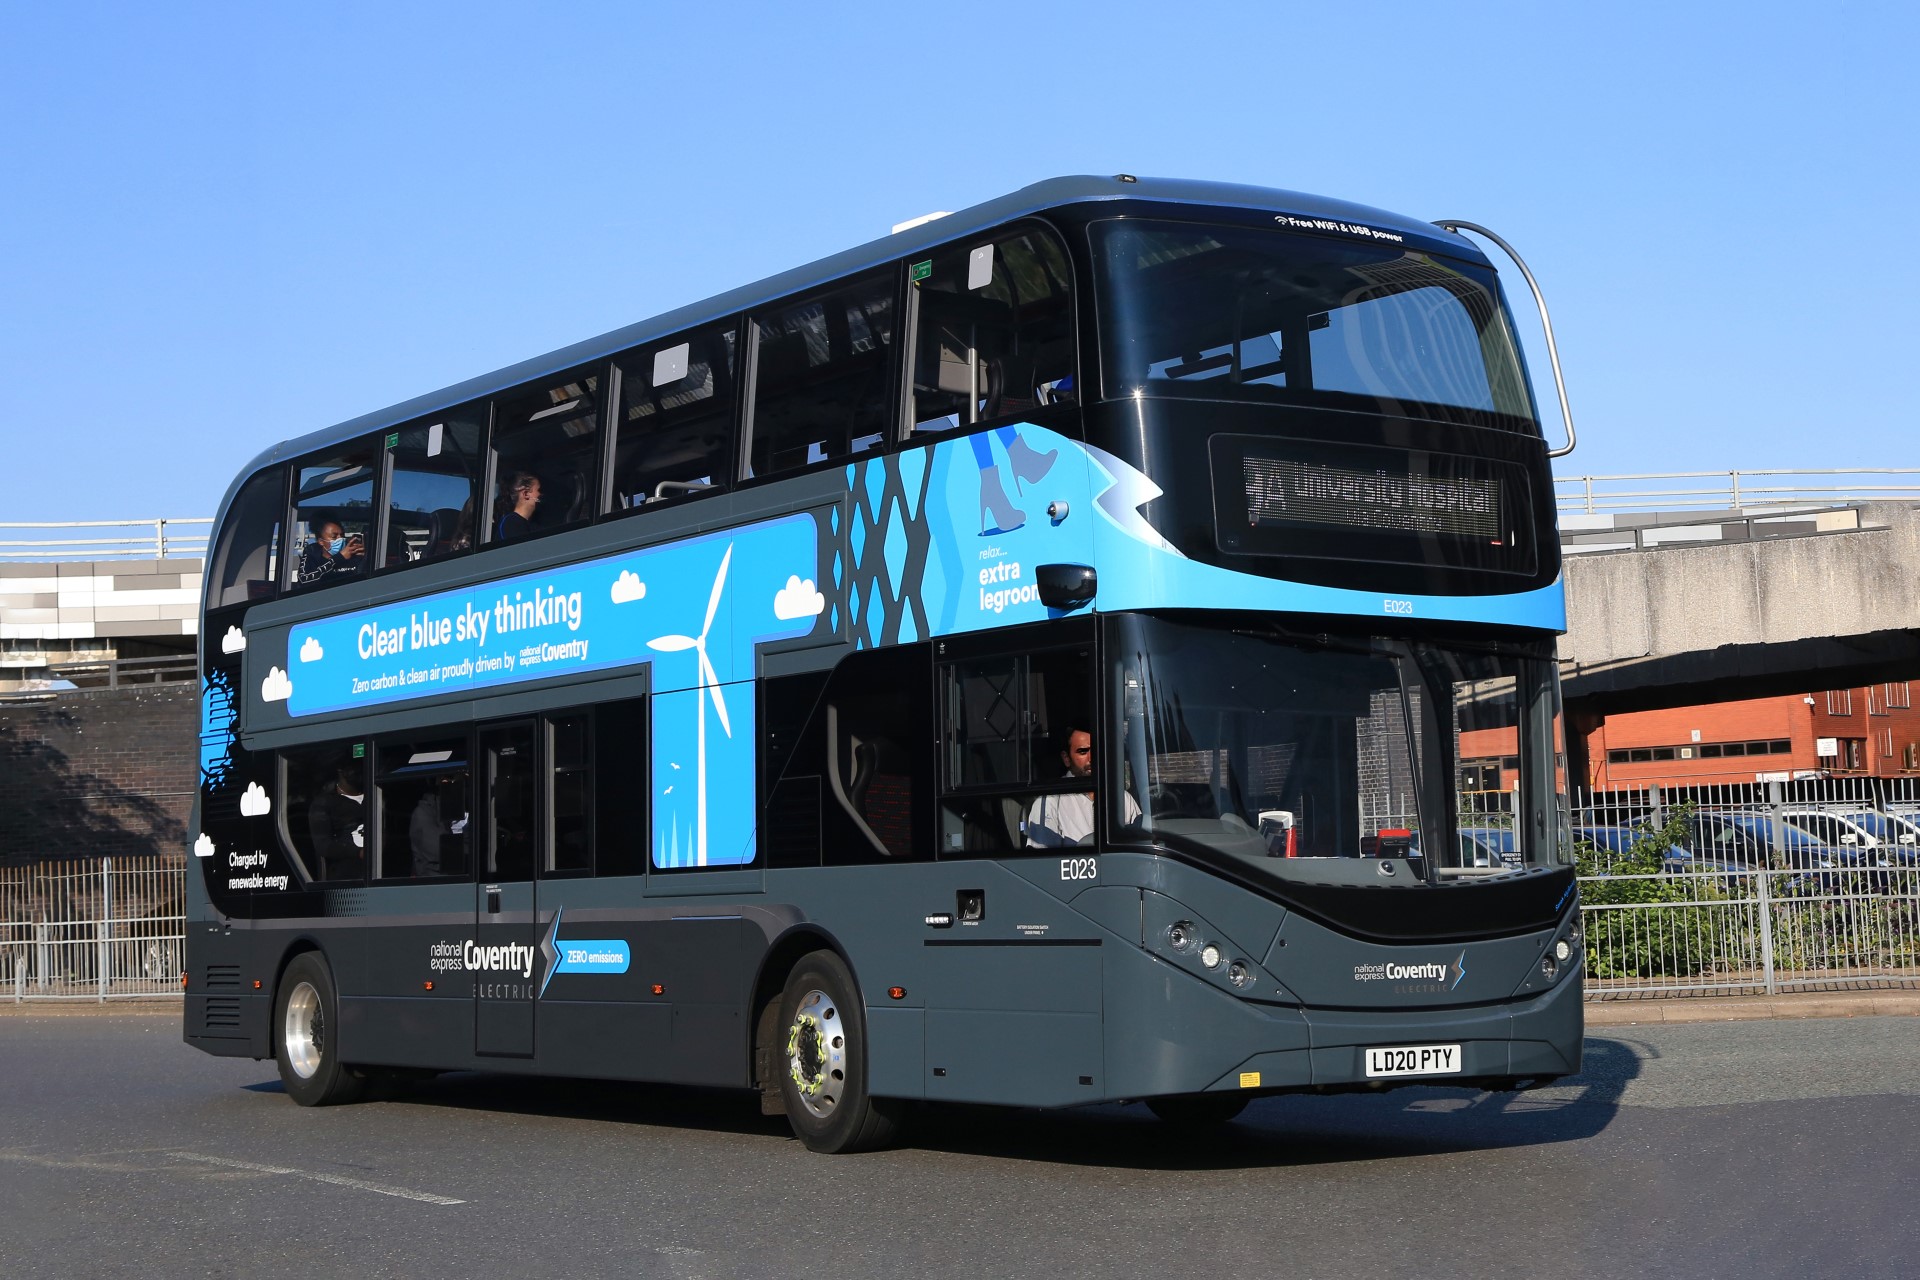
pixel 333 1179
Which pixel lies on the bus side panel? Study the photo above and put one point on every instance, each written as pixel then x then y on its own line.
pixel 1016 1022
pixel 708 963
pixel 604 1039
pixel 406 999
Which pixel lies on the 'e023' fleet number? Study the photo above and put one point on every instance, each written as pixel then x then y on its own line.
pixel 1078 869
pixel 1403 608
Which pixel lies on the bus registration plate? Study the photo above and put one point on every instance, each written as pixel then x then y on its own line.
pixel 1414 1060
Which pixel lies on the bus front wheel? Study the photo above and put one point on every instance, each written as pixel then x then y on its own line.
pixel 305 1016
pixel 821 1057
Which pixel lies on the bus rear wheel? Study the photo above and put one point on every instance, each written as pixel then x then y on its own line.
pixel 820 1055
pixel 305 1014
pixel 1198 1110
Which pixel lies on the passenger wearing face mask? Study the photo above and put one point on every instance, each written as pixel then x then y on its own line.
pixel 330 553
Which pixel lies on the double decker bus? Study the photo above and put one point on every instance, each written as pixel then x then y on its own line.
pixel 1033 659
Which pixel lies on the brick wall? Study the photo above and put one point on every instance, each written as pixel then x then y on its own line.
pixel 109 772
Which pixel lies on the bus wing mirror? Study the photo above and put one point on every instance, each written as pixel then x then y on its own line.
pixel 1066 586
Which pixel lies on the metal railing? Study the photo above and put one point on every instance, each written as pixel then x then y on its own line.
pixel 1751 887
pixel 101 929
pixel 114 673
pixel 1752 932
pixel 1735 490
pixel 158 539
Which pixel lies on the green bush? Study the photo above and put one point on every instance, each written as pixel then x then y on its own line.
pixel 1648 942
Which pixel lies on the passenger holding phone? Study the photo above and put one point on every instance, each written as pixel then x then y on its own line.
pixel 331 552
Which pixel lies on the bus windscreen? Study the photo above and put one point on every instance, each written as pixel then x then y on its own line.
pixel 1269 316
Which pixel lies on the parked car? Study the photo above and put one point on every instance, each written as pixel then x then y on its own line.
pixel 1617 840
pixel 1749 839
pixel 1899 836
pixel 1500 844
pixel 1838 831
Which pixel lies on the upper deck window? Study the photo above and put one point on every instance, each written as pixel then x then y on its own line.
pixel 674 429
pixel 547 457
pixel 435 487
pixel 1236 313
pixel 245 554
pixel 333 515
pixel 994 331
pixel 822 377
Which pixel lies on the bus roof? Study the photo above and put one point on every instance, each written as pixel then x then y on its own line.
pixel 1038 198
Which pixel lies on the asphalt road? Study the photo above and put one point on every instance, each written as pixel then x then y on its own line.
pixel 1746 1149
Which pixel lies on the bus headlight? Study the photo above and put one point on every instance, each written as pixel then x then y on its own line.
pixel 1210 956
pixel 1549 967
pixel 1562 950
pixel 1238 973
pixel 1180 935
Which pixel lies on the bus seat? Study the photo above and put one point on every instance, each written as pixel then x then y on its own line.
pixel 443 530
pixel 888 808
pixel 864 756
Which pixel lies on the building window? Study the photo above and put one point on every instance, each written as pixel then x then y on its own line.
pixel 1899 694
pixel 1704 751
pixel 1876 700
pixel 1839 702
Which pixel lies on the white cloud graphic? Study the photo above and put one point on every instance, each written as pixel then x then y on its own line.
pixel 798 599
pixel 628 588
pixel 311 650
pixel 276 687
pixel 254 802
pixel 233 641
pixel 203 847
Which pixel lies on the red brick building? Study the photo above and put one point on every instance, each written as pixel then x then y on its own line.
pixel 1867 731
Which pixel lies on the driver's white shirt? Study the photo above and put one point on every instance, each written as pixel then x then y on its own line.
pixel 1069 817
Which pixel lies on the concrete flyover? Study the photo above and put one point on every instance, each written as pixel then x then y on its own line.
pixel 1693 621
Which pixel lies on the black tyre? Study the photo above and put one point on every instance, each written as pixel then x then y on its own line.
pixel 820 1054
pixel 305 1013
pixel 1199 1110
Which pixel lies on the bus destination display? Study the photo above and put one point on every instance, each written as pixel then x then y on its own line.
pixel 1280 491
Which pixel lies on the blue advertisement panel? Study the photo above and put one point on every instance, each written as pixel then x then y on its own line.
pixel 695 610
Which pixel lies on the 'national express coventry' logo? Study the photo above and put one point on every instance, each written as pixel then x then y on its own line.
pixel 506 972
pixel 1437 976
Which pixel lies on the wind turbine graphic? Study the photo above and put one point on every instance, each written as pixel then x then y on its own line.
pixel 708 678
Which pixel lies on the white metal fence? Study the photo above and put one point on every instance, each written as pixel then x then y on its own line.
pixel 1778 885
pixel 156 539
pixel 1735 490
pixel 99 929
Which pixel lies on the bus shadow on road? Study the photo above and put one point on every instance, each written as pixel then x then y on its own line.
pixel 1302 1129
pixel 1285 1130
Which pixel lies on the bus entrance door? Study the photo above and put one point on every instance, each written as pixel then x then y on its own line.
pixel 504 919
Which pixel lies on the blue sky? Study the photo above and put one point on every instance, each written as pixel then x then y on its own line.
pixel 229 224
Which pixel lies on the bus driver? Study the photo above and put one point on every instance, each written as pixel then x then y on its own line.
pixel 1068 819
